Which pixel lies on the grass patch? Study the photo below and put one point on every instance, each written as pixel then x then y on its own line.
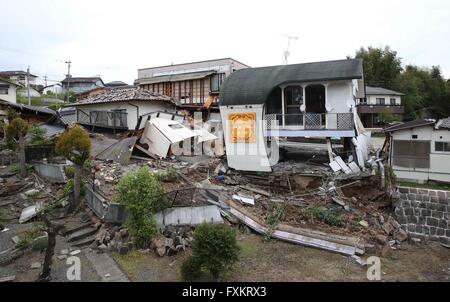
pixel 432 186
pixel 249 248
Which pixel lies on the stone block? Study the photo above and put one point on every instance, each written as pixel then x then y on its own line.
pixel 423 191
pixel 425 212
pixel 412 196
pixel 432 231
pixel 401 219
pixel 441 194
pixel 440 232
pixel 432 193
pixel 432 221
pixel 406 204
pixel 403 190
pixel 434 199
pixel 408 211
pixel 443 223
pixel 412 219
pixel 422 220
pixel 419 228
pixel 411 228
pixel 413 190
pixel 437 214
pixel 399 211
pixel 447 233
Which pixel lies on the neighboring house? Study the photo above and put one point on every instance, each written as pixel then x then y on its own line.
pixel 192 85
pixel 55 89
pixel 300 100
pixel 420 150
pixel 378 101
pixel 24 92
pixel 32 114
pixel 8 90
pixel 19 77
pixel 92 92
pixel 121 109
pixel 117 84
pixel 81 84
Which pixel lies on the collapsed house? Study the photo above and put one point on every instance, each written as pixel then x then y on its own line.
pixel 121 109
pixel 312 100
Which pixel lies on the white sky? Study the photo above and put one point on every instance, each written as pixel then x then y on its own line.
pixel 115 38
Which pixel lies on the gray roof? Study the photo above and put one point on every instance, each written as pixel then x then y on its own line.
pixel 443 123
pixel 68 115
pixel 253 85
pixel 36 109
pixel 116 83
pixel 409 125
pixel 381 91
pixel 175 77
pixel 82 80
pixel 124 95
pixel 11 73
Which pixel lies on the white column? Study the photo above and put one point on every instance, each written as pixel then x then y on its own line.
pixel 304 103
pixel 282 104
pixel 326 105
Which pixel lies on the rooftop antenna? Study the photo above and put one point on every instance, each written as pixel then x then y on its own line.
pixel 286 52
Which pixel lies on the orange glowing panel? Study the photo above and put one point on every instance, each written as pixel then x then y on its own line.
pixel 242 127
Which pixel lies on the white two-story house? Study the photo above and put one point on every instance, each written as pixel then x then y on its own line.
pixel 301 100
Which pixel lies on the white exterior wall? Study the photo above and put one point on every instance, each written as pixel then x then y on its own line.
pixel 132 112
pixel 221 66
pixel 246 156
pixel 372 99
pixel 11 96
pixel 439 161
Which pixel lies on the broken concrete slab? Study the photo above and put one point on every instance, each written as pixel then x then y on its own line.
pixel 52 172
pixel 35 265
pixel 244 200
pixel 189 216
pixel 120 151
pixel 354 167
pixel 29 212
pixel 335 166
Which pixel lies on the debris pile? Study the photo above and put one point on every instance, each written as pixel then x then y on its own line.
pixel 172 240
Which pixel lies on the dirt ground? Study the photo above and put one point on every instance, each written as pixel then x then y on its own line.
pixel 280 261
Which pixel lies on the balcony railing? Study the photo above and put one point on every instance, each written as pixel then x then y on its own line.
pixel 104 119
pixel 311 121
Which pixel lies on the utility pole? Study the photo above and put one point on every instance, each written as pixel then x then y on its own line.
pixel 287 53
pixel 45 80
pixel 28 85
pixel 68 62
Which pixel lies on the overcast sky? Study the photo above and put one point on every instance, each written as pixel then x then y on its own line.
pixel 115 38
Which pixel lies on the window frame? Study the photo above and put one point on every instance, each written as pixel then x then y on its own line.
pixel 216 79
pixel 444 145
pixel 288 101
pixel 392 101
pixel 380 101
pixel 4 87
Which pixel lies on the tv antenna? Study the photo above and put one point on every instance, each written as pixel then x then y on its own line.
pixel 286 52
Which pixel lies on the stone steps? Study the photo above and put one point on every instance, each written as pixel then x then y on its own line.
pixel 83 242
pixel 77 228
pixel 82 234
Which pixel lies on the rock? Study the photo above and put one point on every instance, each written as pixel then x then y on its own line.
pixel 416 240
pixel 15 239
pixel 123 233
pixel 102 247
pixel 386 251
pixel 158 242
pixel 370 248
pixel 364 223
pixel 100 236
pixel 381 239
pixel 394 222
pixel 35 265
pixel 123 250
pixel 75 252
pixel 161 251
pixel 381 218
pixel 387 228
pixel 109 179
pixel 169 242
pixel 400 235
pixel 64 252
pixel 61 257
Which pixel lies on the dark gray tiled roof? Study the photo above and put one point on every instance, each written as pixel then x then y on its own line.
pixel 253 85
pixel 408 125
pixel 381 91
pixel 81 80
pixel 124 95
pixel 443 123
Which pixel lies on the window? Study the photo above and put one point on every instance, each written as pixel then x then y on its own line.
pixel 4 89
pixel 392 101
pixel 293 95
pixel 380 101
pixel 216 81
pixel 411 154
pixel 442 146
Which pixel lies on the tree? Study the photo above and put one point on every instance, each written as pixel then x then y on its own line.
pixel 19 128
pixel 214 249
pixel 381 66
pixel 142 195
pixel 37 135
pixel 75 145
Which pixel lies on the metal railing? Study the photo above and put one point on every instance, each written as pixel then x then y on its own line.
pixel 311 121
pixel 108 119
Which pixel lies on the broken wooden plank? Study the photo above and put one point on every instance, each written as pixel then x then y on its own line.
pixel 343 165
pixel 8 279
pixel 295 238
pixel 255 190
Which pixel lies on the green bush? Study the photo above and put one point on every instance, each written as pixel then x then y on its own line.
pixel 328 216
pixel 214 249
pixel 191 269
pixel 68 188
pixel 168 175
pixel 37 135
pixel 70 171
pixel 142 195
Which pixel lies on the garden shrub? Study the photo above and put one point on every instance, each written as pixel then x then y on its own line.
pixel 214 249
pixel 142 195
